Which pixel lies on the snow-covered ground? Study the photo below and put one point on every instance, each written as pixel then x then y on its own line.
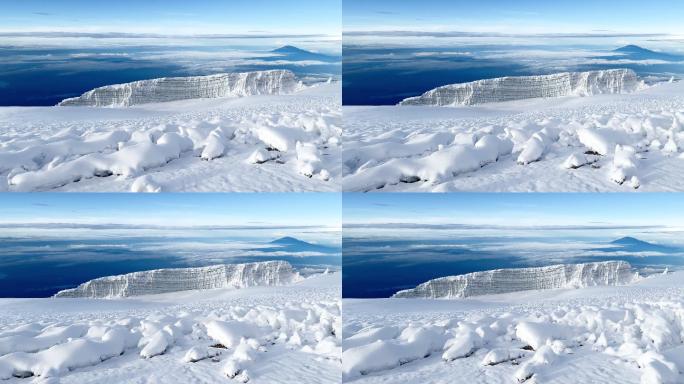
pixel 620 142
pixel 283 334
pixel 628 334
pixel 255 143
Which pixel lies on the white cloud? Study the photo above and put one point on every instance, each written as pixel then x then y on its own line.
pixel 203 55
pixel 98 55
pixel 441 53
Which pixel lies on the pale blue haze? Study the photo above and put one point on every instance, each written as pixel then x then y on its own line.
pixel 518 16
pixel 169 209
pixel 174 16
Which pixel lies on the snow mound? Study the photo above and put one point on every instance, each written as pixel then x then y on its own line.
pixel 599 335
pixel 522 279
pixel 72 354
pixel 413 343
pixel 434 168
pixel 182 279
pixel 165 89
pixel 247 144
pixel 177 338
pixel 509 88
pixel 604 143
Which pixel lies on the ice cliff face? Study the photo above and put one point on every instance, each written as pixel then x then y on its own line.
pixel 180 88
pixel 182 279
pixel 523 279
pixel 527 87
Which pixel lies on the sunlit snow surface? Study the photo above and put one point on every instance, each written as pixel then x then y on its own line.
pixel 627 142
pixel 271 335
pixel 629 334
pixel 256 143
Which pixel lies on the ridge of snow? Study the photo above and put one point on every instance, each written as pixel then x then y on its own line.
pixel 187 145
pixel 238 84
pixel 509 88
pixel 282 334
pixel 156 281
pixel 626 142
pixel 628 334
pixel 523 279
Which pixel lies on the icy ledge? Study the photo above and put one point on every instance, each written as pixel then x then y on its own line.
pixel 267 273
pixel 527 87
pixel 523 279
pixel 165 89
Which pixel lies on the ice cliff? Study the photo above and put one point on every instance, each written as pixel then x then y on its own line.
pixel 607 273
pixel 181 88
pixel 526 87
pixel 182 279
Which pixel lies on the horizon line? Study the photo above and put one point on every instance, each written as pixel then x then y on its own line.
pixel 75 225
pixel 417 33
pixel 114 35
pixel 405 225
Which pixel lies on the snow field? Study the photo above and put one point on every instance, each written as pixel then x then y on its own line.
pixel 638 333
pixel 297 136
pixel 597 143
pixel 231 336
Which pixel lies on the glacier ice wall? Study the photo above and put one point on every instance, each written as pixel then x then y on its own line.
pixel 526 87
pixel 182 279
pixel 164 89
pixel 523 279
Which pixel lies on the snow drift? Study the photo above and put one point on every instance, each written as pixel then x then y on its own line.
pixel 267 273
pixel 259 143
pixel 629 334
pixel 285 334
pixel 165 89
pixel 618 142
pixel 522 279
pixel 509 88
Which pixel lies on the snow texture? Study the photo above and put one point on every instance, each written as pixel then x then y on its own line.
pixel 225 144
pixel 523 279
pixel 183 279
pixel 601 334
pixel 165 89
pixel 207 336
pixel 527 87
pixel 606 142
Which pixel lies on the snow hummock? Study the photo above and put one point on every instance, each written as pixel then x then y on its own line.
pixel 182 279
pixel 209 336
pixel 165 89
pixel 523 279
pixel 509 88
pixel 606 142
pixel 601 334
pixel 225 144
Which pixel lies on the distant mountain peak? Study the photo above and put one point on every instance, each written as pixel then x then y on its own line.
pixel 633 244
pixel 632 48
pixel 629 240
pixel 302 54
pixel 290 49
pixel 641 53
pixel 288 240
pixel 294 244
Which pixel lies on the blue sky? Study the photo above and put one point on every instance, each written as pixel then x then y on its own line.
pixel 519 16
pixel 516 209
pixel 174 16
pixel 170 209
